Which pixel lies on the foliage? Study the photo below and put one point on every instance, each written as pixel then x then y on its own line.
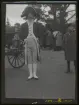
pixel 58 11
pixel 10 31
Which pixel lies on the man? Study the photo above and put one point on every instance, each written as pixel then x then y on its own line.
pixel 30 33
pixel 49 36
pixel 59 41
pixel 69 40
pixel 54 40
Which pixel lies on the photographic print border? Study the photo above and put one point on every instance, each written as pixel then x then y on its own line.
pixel 25 101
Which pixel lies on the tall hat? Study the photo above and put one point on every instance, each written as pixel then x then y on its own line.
pixel 28 10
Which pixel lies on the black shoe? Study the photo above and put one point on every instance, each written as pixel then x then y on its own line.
pixel 29 79
pixel 68 71
pixel 36 78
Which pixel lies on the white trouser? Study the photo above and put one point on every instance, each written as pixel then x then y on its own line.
pixel 32 70
pixel 31 56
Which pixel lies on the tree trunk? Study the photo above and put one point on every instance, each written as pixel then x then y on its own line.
pixel 54 13
pixel 62 18
pixel 62 22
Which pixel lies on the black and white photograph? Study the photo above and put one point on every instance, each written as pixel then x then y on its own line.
pixel 40 51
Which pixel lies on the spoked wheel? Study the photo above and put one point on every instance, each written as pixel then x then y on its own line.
pixel 16 58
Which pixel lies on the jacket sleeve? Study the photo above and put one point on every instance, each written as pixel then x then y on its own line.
pixel 23 32
pixel 63 43
pixel 41 32
pixel 42 29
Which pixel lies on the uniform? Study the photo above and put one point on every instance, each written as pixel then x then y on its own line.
pixel 69 44
pixel 31 47
pixel 30 33
pixel 59 41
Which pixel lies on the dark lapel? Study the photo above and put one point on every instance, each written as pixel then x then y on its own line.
pixel 35 28
pixel 26 27
pixel 35 31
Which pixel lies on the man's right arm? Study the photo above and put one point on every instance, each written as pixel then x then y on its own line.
pixel 64 41
pixel 21 32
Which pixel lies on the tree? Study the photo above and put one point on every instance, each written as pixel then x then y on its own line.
pixel 9 28
pixel 8 23
pixel 59 19
pixel 9 32
pixel 58 11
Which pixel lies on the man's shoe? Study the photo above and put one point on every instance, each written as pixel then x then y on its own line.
pixel 68 71
pixel 35 77
pixel 30 77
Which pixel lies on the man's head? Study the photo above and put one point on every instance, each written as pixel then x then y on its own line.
pixel 29 12
pixel 70 27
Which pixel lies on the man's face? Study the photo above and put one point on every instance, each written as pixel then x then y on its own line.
pixel 30 17
pixel 70 28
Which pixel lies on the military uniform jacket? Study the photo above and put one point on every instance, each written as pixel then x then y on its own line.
pixel 38 30
pixel 69 42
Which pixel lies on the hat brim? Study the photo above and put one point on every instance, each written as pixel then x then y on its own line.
pixel 28 10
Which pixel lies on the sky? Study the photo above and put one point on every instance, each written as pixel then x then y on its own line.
pixel 14 11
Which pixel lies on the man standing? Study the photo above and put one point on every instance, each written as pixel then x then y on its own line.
pixel 59 41
pixel 69 40
pixel 30 33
